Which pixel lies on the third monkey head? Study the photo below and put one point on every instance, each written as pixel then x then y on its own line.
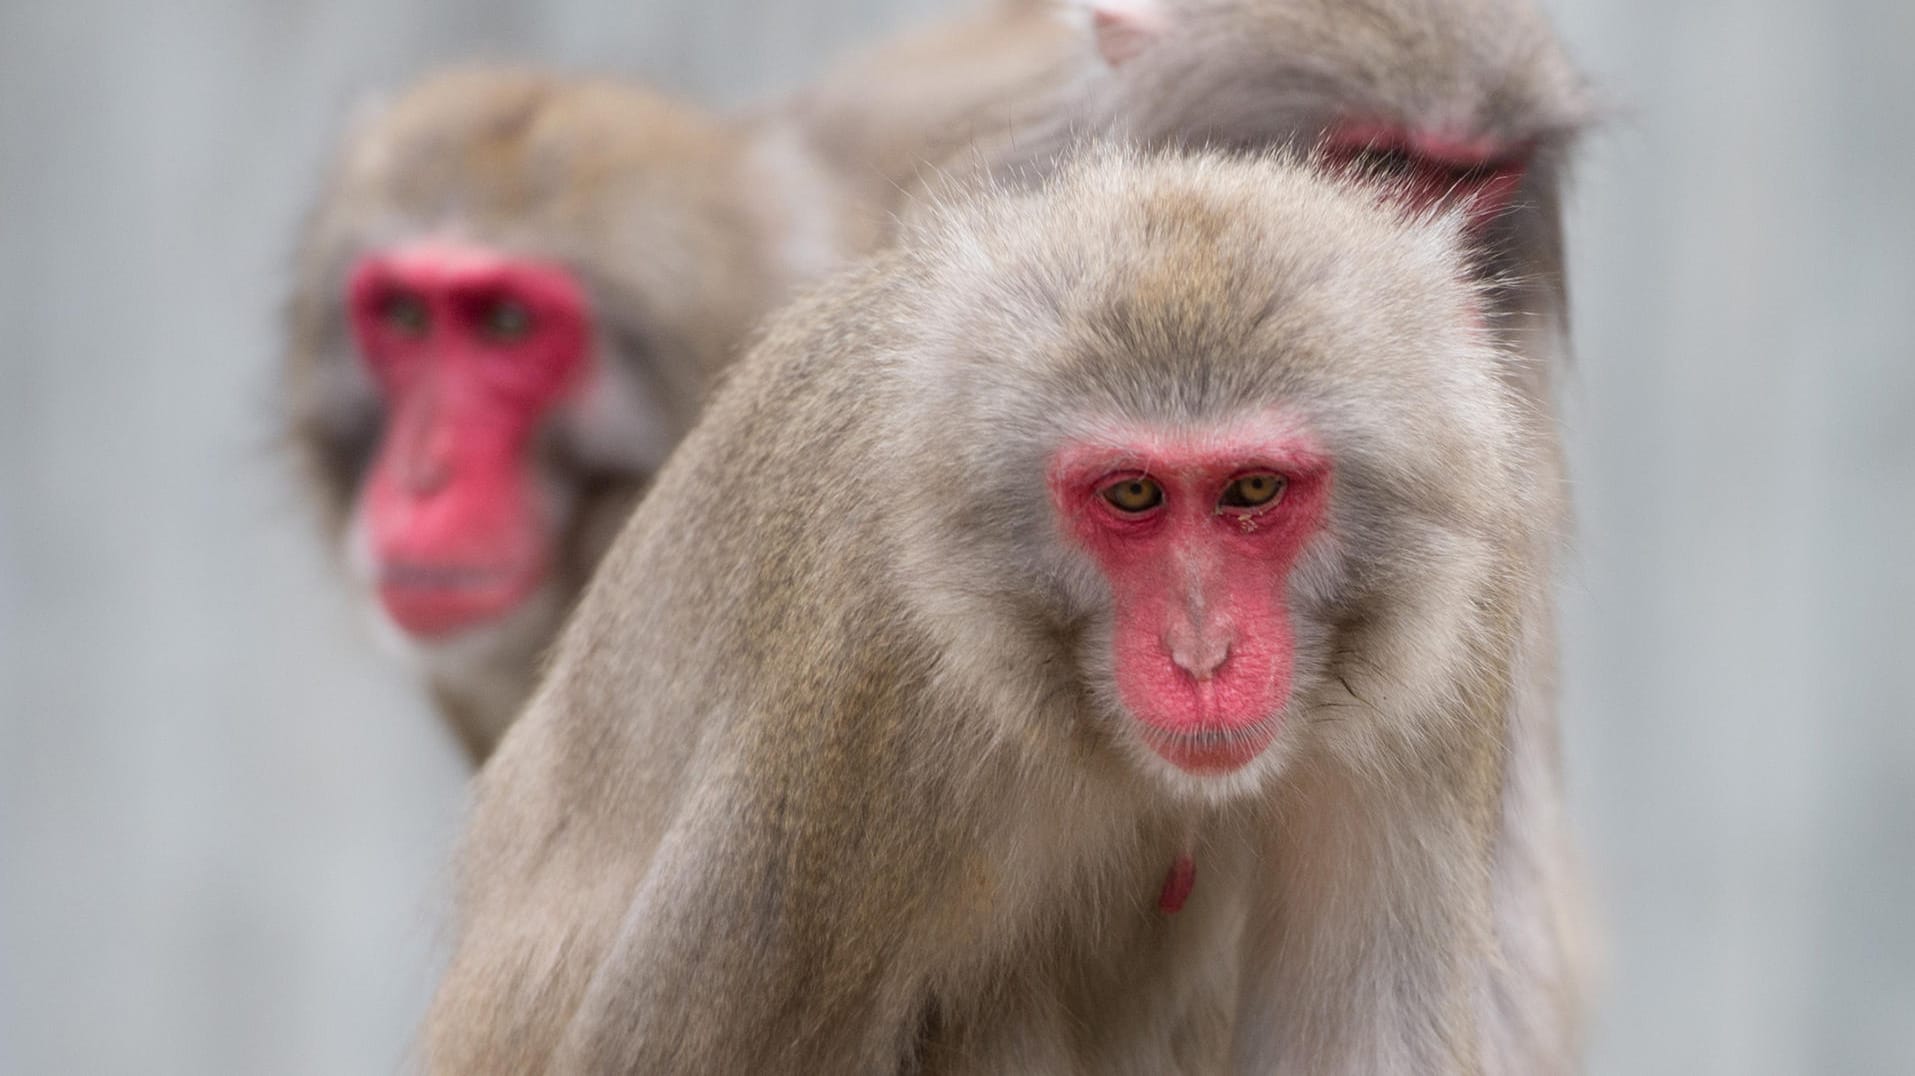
pixel 511 300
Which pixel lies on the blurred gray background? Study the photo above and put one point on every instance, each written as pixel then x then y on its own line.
pixel 224 818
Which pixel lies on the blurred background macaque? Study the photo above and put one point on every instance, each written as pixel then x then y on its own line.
pixel 509 303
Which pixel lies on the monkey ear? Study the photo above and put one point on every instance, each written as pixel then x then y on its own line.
pixel 1123 29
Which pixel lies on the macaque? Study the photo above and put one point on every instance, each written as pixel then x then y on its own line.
pixel 509 304
pixel 1467 103
pixel 1083 639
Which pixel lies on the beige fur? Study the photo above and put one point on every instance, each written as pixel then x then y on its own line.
pixel 686 228
pixel 1254 73
pixel 825 777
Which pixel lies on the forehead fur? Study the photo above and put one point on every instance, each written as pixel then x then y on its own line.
pixel 1146 271
pixel 652 202
pixel 518 152
pixel 1171 290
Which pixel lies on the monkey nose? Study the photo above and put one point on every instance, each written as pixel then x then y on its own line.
pixel 427 474
pixel 1197 652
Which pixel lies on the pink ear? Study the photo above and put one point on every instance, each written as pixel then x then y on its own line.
pixel 1125 28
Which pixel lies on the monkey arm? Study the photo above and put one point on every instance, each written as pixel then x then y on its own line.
pixel 752 946
pixel 808 887
pixel 763 886
pixel 745 941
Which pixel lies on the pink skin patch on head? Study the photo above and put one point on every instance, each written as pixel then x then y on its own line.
pixel 1436 169
pixel 1201 636
pixel 471 350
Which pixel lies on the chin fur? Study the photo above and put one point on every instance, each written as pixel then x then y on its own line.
pixel 483 658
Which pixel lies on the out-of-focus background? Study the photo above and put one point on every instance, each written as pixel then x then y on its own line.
pixel 224 818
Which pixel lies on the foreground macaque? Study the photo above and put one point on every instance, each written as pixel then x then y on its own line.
pixel 1465 103
pixel 1084 640
pixel 509 304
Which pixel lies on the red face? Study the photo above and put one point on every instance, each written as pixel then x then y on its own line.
pixel 471 350
pixel 1197 538
pixel 1436 169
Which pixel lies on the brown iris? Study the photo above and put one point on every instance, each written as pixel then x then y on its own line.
pixel 1137 494
pixel 506 321
pixel 406 314
pixel 1252 491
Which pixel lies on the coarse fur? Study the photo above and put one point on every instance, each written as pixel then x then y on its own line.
pixel 827 777
pixel 1036 82
pixel 685 229
pixel 1011 90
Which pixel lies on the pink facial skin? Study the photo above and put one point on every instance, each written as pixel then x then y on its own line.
pixel 472 350
pixel 1202 639
pixel 1438 169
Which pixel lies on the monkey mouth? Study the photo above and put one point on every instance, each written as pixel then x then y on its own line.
pixel 1213 751
pixel 432 601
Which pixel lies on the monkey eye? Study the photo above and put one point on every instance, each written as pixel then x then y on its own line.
pixel 1134 494
pixel 505 321
pixel 406 314
pixel 1252 491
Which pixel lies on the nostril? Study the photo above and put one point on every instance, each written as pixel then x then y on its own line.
pixel 1199 650
pixel 425 477
pixel 1202 658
